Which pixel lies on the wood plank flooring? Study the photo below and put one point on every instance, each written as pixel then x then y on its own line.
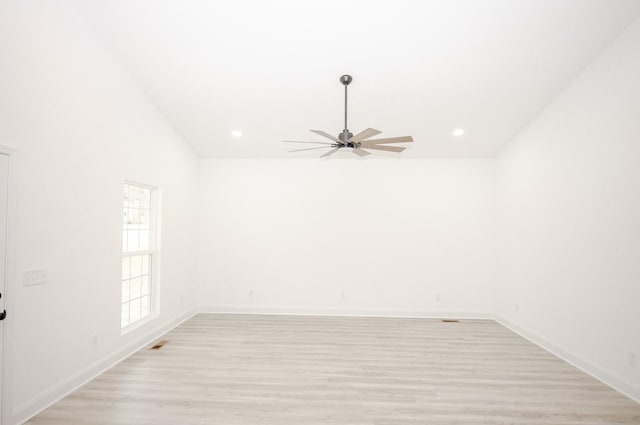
pixel 286 370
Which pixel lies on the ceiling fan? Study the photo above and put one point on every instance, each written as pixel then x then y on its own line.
pixel 357 143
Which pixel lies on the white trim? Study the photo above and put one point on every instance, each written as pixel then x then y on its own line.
pixel 305 311
pixel 10 279
pixel 608 378
pixel 140 323
pixel 137 183
pixel 136 253
pixel 8 150
pixel 616 382
pixel 42 401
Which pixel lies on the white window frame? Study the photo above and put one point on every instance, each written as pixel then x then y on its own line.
pixel 153 251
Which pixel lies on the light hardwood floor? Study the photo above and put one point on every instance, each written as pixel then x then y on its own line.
pixel 286 370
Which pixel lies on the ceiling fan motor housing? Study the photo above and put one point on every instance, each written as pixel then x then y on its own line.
pixel 345 135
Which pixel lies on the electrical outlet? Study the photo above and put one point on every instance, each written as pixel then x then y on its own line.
pixel 251 293
pixel 94 341
pixel 633 359
pixel 34 277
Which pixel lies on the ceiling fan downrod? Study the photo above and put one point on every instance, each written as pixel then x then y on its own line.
pixel 345 135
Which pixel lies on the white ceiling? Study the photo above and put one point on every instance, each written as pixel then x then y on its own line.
pixel 420 68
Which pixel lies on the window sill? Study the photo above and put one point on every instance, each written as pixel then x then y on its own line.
pixel 140 323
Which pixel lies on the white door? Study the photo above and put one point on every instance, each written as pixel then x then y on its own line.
pixel 4 184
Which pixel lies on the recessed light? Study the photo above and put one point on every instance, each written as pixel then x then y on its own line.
pixel 458 132
pixel 236 133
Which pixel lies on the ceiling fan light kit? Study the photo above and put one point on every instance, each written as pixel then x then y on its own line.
pixel 346 139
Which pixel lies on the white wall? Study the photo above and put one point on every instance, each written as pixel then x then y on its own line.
pixel 387 237
pixel 347 236
pixel 82 127
pixel 569 220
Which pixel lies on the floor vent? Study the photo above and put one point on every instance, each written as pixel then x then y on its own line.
pixel 159 345
pixel 450 321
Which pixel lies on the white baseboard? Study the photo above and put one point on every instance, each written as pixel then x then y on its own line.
pixel 306 311
pixel 614 381
pixel 45 399
pixel 37 404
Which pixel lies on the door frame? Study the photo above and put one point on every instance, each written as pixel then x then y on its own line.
pixel 10 282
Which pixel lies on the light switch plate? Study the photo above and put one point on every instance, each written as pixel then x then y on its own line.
pixel 34 277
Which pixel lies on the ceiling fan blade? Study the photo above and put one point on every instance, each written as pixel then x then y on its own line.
pixel 309 149
pixel 365 134
pixel 331 152
pixel 403 139
pixel 361 152
pixel 386 148
pixel 315 143
pixel 327 135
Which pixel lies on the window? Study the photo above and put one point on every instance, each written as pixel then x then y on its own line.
pixel 139 252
